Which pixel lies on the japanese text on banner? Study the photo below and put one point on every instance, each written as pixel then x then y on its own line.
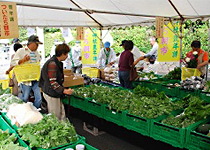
pixel 8 20
pixel 169 45
pixel 90 46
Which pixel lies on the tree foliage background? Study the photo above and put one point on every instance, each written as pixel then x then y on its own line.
pixel 197 30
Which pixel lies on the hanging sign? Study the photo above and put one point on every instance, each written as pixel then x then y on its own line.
pixel 90 46
pixel 31 31
pixel 8 20
pixel 65 32
pixel 80 33
pixel 159 23
pixel 169 45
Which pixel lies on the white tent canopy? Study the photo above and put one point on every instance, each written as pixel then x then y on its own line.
pixel 104 13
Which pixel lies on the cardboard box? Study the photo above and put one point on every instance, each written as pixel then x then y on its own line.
pixel 72 81
pixel 102 74
pixel 68 72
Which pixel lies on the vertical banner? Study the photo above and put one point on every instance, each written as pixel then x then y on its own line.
pixel 159 23
pixel 90 46
pixel 169 45
pixel 8 20
pixel 80 33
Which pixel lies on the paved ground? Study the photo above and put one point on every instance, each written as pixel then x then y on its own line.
pixel 116 137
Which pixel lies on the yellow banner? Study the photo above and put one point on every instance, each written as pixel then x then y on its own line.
pixel 90 46
pixel 8 20
pixel 169 45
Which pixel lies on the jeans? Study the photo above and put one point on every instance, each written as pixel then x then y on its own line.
pixel 124 77
pixel 26 92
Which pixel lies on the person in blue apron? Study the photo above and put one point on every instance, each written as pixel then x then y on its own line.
pixel 106 56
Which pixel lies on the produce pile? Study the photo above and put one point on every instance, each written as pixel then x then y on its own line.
pixel 195 110
pixel 193 83
pixel 8 142
pixel 8 99
pixel 147 76
pixel 174 74
pixel 142 101
pixel 48 133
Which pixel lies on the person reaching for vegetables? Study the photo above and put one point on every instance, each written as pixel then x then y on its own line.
pixel 51 81
pixel 202 58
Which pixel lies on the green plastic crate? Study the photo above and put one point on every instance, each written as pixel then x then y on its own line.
pixel 205 96
pixel 138 124
pixel 87 147
pixel 195 140
pixel 15 128
pixel 184 92
pixel 95 108
pixel 79 102
pixel 9 121
pixel 113 116
pixel 166 133
pixel 5 126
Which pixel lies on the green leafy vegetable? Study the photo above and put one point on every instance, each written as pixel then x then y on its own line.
pixel 141 102
pixel 7 142
pixel 48 133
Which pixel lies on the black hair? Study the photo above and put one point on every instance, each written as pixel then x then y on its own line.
pixel 128 45
pixel 17 46
pixel 196 44
pixel 61 49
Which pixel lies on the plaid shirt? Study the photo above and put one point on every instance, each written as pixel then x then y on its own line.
pixel 52 68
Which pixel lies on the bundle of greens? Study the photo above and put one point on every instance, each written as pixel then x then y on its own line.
pixel 195 110
pixel 7 142
pixel 48 133
pixel 174 74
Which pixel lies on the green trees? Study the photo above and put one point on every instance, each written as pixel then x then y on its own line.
pixel 139 36
pixel 198 30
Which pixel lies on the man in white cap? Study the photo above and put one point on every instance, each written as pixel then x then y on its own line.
pixel 29 55
pixel 106 56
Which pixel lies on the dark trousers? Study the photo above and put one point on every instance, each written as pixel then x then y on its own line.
pixel 124 77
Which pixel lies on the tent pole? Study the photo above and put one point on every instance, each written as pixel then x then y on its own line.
pixel 180 64
pixel 207 68
pixel 87 14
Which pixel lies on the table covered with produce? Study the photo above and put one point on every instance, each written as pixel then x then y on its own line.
pixel 164 108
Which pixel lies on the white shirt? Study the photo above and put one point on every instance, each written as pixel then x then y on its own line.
pixel 102 57
pixel 76 54
pixel 20 53
pixel 153 51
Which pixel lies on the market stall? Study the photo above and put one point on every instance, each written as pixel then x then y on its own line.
pixel 159 107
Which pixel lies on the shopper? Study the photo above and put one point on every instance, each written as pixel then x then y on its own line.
pixel 75 58
pixel 51 81
pixel 136 54
pixel 106 56
pixel 29 55
pixel 126 64
pixel 13 81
